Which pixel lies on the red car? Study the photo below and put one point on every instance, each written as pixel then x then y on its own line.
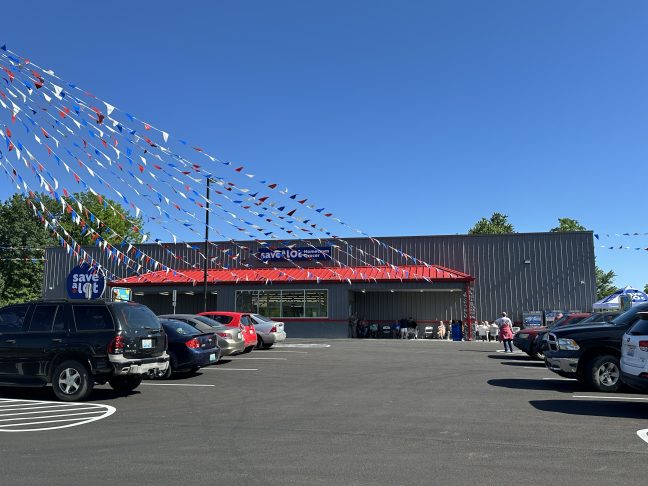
pixel 237 320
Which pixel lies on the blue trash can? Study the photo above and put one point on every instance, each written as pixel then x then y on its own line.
pixel 456 332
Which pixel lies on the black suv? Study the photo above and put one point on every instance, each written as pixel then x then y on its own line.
pixel 74 344
pixel 591 353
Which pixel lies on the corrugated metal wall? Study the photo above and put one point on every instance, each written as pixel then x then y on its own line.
pixel 559 273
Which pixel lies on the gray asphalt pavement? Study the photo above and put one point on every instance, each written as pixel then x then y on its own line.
pixel 361 412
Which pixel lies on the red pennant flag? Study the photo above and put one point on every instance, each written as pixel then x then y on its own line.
pixel 239 169
pixel 272 186
pixel 147 126
pixel 292 212
pixel 141 169
pixel 45 133
pixel 302 201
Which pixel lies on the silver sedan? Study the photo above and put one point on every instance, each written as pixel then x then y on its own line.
pixel 230 340
pixel 268 331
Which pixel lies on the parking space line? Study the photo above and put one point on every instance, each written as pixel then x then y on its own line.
pixel 221 368
pixel 38 406
pixel 45 411
pixel 174 384
pixel 297 352
pixel 599 397
pixel 41 422
pixel 560 379
pixel 50 416
pixel 534 368
pixel 643 435
pixel 243 359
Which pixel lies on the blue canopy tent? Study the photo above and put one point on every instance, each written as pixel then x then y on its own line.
pixel 613 301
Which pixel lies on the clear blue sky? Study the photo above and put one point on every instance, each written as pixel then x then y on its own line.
pixel 403 118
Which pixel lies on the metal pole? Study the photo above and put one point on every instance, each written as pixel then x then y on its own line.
pixel 206 248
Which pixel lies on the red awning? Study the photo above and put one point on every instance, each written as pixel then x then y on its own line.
pixel 410 273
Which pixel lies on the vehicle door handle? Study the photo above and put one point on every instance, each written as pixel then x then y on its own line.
pixel 10 341
pixel 57 340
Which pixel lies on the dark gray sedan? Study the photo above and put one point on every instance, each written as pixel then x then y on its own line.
pixel 230 340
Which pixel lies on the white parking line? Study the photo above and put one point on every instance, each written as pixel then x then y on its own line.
pixel 222 368
pixel 23 415
pixel 534 368
pixel 174 384
pixel 643 434
pixel 297 352
pixel 560 379
pixel 245 359
pixel 600 397
pixel 298 345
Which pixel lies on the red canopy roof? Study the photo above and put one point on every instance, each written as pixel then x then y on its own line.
pixel 430 273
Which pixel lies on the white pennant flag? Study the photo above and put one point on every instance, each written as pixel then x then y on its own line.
pixel 109 108
pixel 165 136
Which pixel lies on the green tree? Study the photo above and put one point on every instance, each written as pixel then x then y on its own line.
pixel 604 282
pixel 112 222
pixel 568 224
pixel 646 288
pixel 497 224
pixel 23 237
pixel 22 240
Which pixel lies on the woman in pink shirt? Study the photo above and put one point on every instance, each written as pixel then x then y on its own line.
pixel 505 332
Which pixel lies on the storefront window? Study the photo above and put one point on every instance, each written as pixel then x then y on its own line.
pixel 246 301
pixel 270 303
pixel 316 303
pixel 286 303
pixel 292 303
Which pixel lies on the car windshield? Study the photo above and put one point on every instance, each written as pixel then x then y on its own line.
pixel 220 318
pixel 135 316
pixel 558 322
pixel 629 316
pixel 600 317
pixel 261 318
pixel 211 323
pixel 641 327
pixel 178 328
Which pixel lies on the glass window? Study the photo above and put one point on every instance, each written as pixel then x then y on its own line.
pixel 316 303
pixel 59 320
pixel 220 319
pixel 179 328
pixel 246 300
pixel 42 318
pixel 270 303
pixel 92 318
pixel 135 316
pixel 12 318
pixel 292 303
pixel 640 328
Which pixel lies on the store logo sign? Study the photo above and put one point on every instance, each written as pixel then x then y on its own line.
pixel 293 254
pixel 85 282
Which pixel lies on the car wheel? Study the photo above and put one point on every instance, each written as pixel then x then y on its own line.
pixel 125 384
pixel 71 381
pixel 536 354
pixel 248 349
pixel 603 373
pixel 260 344
pixel 166 374
pixel 267 346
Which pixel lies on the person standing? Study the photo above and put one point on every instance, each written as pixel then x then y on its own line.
pixel 505 332
pixel 403 328
pixel 441 331
pixel 353 325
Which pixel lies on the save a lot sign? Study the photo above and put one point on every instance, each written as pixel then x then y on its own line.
pixel 85 282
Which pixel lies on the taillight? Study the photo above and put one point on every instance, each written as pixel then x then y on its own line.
pixel 116 346
pixel 274 329
pixel 193 343
pixel 643 345
pixel 222 334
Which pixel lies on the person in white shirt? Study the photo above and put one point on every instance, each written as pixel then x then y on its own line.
pixel 505 332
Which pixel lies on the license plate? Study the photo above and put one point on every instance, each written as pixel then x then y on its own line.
pixel 147 343
pixel 212 357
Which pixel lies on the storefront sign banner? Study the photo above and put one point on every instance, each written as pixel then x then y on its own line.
pixel 85 282
pixel 293 254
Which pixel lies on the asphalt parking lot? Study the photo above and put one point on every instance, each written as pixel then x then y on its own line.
pixel 338 412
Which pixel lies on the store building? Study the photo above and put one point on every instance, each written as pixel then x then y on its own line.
pixel 313 286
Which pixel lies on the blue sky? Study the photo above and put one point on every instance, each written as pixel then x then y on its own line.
pixel 403 118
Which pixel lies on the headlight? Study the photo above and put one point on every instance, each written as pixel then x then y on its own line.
pixel 568 345
pixel 523 335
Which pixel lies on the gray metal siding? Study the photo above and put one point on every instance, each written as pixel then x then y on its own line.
pixel 559 263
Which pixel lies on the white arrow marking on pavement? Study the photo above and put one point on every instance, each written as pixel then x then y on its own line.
pixel 643 434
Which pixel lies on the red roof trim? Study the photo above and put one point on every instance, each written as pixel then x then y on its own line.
pixel 409 273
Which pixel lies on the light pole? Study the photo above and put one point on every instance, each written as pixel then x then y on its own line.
pixel 209 180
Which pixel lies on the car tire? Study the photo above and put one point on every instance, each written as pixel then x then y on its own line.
pixel 71 381
pixel 248 349
pixel 260 344
pixel 125 384
pixel 536 354
pixel 166 374
pixel 604 373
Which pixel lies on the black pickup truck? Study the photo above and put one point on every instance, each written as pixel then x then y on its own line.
pixel 591 353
